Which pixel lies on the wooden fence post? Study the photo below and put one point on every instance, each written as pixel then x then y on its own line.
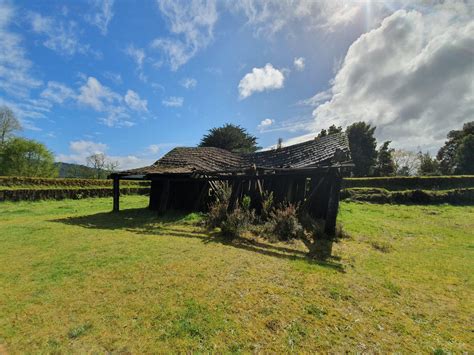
pixel 116 192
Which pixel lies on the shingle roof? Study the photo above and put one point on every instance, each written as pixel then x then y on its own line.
pixel 185 160
pixel 307 154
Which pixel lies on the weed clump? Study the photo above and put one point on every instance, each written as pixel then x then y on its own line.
pixel 284 222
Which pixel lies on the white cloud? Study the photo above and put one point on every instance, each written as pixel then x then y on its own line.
pixel 61 37
pixel 317 99
pixel 412 77
pixel 132 99
pixel 102 15
pixel 173 101
pixel 137 54
pixel 15 76
pixel 269 17
pixel 114 77
pixel 299 63
pixel 57 92
pixel 102 99
pixel 96 95
pixel 261 79
pixel 153 148
pixel 266 123
pixel 188 83
pixel 87 147
pixel 81 149
pixel 192 22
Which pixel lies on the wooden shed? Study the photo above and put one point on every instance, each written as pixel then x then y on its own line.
pixel 308 173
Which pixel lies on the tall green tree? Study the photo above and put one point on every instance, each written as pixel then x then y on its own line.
pixel 230 137
pixel 26 157
pixel 465 155
pixel 363 147
pixel 428 165
pixel 8 123
pixel 447 155
pixel 385 165
pixel 331 130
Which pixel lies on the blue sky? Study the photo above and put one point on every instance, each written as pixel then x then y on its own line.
pixel 133 79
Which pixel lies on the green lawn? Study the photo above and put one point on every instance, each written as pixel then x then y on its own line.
pixel 75 278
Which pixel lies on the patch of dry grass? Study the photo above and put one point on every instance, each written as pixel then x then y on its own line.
pixel 75 278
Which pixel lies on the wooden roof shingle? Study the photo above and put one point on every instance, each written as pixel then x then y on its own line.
pixel 313 153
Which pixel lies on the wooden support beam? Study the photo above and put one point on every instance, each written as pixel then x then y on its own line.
pixel 165 193
pixel 116 192
pixel 235 195
pixel 333 205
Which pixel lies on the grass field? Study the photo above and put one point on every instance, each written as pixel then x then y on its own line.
pixel 75 278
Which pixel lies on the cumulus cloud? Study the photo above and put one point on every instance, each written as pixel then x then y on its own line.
pixel 173 101
pixel 132 99
pixel 192 24
pixel 261 79
pixel 299 63
pixel 412 77
pixel 102 14
pixel 266 123
pixel 15 76
pixel 96 95
pixel 57 92
pixel 188 83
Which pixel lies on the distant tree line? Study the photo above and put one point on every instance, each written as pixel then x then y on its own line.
pixel 26 157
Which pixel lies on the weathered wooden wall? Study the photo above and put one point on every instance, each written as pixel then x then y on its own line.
pixel 318 194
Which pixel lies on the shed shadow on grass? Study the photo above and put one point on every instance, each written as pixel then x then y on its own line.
pixel 142 221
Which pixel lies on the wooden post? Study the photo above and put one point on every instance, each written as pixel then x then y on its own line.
pixel 333 205
pixel 235 195
pixel 165 193
pixel 116 192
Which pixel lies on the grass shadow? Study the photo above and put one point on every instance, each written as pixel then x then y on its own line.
pixel 143 221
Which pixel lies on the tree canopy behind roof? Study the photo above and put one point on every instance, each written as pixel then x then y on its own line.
pixel 230 137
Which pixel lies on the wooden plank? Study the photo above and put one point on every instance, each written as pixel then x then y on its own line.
pixel 116 192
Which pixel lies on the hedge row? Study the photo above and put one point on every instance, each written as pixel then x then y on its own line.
pixel 419 197
pixel 60 194
pixel 13 181
pixel 401 183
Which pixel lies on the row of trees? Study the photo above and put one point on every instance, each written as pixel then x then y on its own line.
pixel 455 157
pixel 26 157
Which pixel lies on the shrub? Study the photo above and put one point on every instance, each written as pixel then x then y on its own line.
pixel 284 222
pixel 236 222
pixel 218 209
pixel 267 205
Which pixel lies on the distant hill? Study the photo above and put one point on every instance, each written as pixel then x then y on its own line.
pixel 67 170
